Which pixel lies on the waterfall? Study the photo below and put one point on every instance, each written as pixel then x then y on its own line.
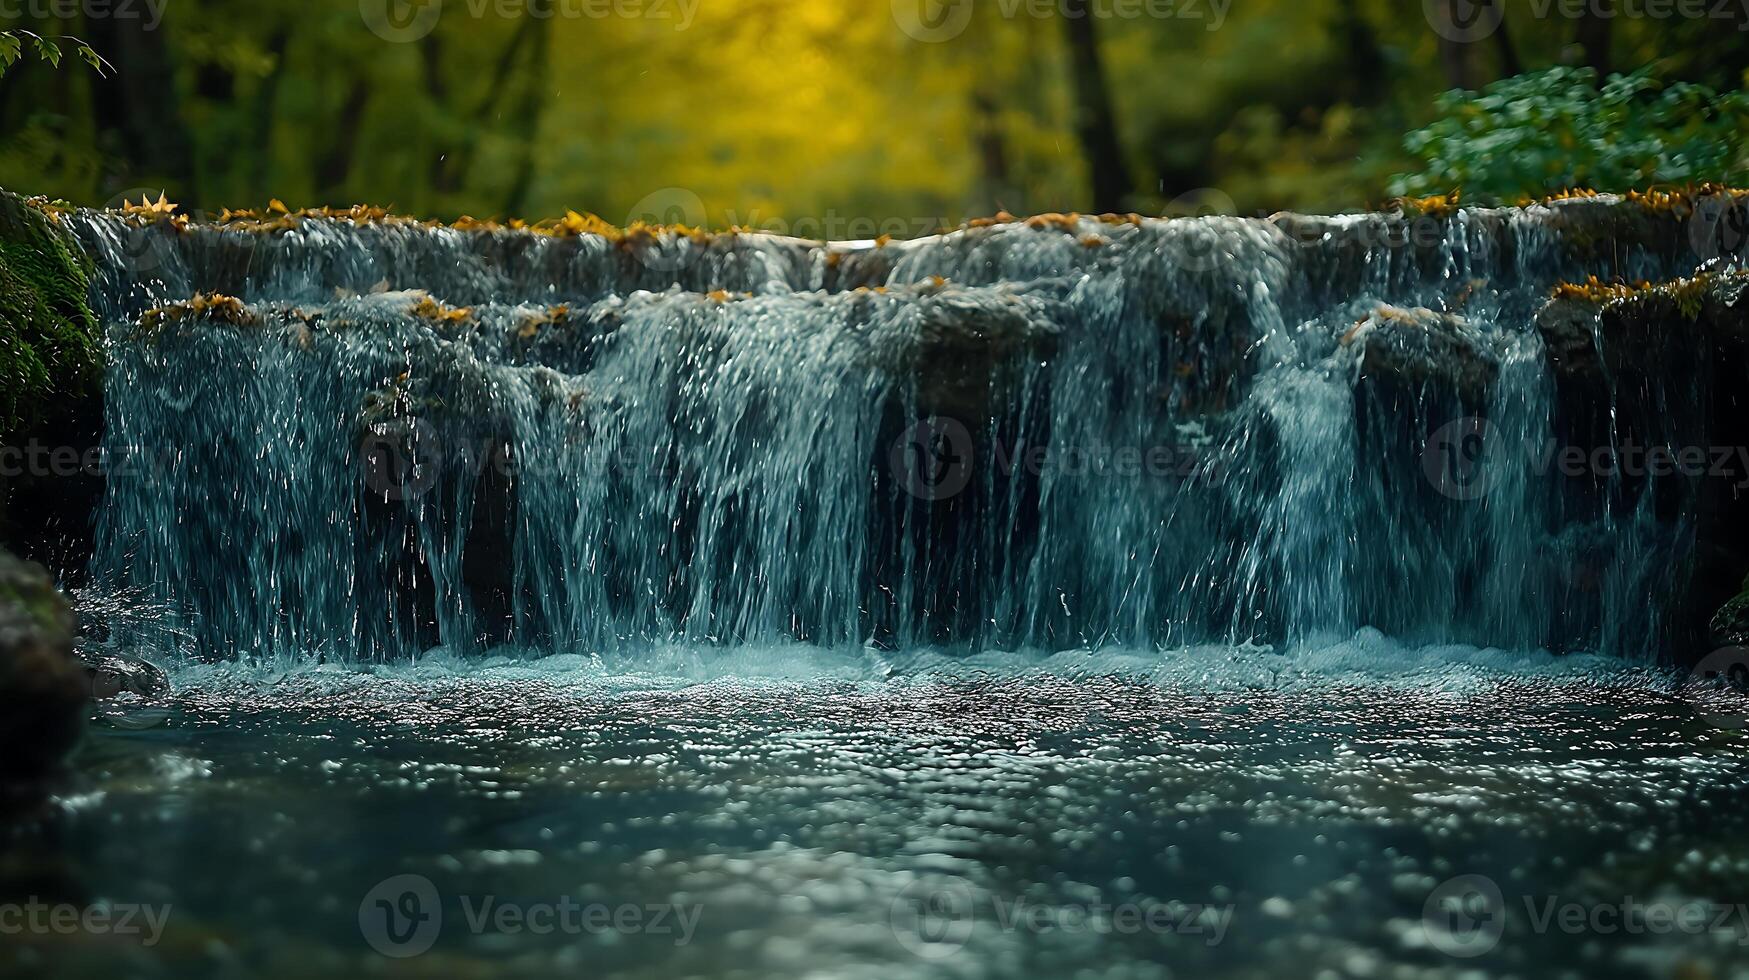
pixel 1068 432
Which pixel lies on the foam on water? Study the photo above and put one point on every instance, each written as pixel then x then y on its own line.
pixel 1368 659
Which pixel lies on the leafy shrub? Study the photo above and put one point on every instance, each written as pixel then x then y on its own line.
pixel 1541 132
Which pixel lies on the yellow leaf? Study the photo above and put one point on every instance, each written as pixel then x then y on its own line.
pixel 149 209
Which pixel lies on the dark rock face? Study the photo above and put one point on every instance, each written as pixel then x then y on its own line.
pixel 1568 327
pixel 1668 364
pixel 42 685
pixel 1421 347
pixel 1623 330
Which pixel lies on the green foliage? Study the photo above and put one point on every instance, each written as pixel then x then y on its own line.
pixel 12 44
pixel 1541 132
pixel 816 118
pixel 49 339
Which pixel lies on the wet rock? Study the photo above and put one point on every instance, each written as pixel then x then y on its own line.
pixel 1333 253
pixel 1596 329
pixel 42 683
pixel 1666 363
pixel 965 337
pixel 1422 347
pixel 1568 329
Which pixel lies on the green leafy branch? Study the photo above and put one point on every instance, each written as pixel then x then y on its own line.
pixel 12 47
pixel 1534 134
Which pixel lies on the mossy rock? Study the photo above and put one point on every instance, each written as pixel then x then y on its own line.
pixel 42 684
pixel 50 343
pixel 1593 329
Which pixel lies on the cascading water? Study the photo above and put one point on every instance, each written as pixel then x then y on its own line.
pixel 926 609
pixel 1066 433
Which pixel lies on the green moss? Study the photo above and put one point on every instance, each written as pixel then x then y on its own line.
pixel 1689 295
pixel 49 340
pixel 43 606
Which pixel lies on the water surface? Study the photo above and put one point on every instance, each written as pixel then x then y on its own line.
pixel 1214 812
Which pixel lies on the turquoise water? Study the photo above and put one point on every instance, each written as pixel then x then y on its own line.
pixel 786 812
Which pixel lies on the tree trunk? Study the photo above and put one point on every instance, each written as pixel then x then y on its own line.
pixel 1456 57
pixel 1095 121
pixel 261 142
pixel 528 118
pixel 335 163
pixel 1509 63
pixel 450 169
pixel 431 60
pixel 137 107
pixel 1468 23
pixel 992 151
pixel 529 31
pixel 1595 36
pixel 1363 81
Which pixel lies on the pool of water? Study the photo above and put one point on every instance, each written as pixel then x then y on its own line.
pixel 1362 810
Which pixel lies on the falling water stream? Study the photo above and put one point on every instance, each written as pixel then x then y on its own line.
pixel 1153 433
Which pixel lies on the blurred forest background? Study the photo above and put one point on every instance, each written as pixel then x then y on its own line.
pixel 822 117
